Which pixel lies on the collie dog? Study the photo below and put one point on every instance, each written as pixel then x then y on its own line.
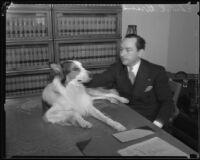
pixel 70 100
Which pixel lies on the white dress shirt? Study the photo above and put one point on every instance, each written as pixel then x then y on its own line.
pixel 135 68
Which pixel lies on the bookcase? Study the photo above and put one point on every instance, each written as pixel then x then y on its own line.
pixel 40 34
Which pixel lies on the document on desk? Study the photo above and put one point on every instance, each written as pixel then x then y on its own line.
pixel 132 134
pixel 152 147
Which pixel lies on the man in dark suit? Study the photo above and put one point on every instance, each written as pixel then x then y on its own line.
pixel 145 84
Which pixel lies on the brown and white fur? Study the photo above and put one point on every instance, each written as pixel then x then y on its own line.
pixel 71 101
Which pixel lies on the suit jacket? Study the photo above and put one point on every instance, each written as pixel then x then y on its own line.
pixel 150 95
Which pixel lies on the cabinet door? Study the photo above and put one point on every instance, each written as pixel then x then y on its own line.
pixel 28 56
pixel 85 24
pixel 26 84
pixel 27 25
pixel 89 53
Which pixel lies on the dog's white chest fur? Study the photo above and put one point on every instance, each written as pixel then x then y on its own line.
pixel 76 92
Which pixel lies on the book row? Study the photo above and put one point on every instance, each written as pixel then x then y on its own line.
pixel 32 26
pixel 25 57
pixel 89 54
pixel 84 25
pixel 107 60
pixel 27 84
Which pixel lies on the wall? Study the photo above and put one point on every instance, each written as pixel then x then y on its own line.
pixel 184 41
pixel 163 27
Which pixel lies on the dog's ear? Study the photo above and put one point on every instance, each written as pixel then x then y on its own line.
pixel 56 67
pixel 67 67
pixel 56 71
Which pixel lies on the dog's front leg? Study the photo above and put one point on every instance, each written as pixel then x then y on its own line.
pixel 100 116
pixel 112 98
pixel 82 122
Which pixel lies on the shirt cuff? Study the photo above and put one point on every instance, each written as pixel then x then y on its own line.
pixel 157 123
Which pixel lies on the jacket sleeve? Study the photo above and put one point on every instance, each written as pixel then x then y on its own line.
pixel 164 97
pixel 105 79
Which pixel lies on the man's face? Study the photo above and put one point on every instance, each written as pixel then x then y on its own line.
pixel 129 54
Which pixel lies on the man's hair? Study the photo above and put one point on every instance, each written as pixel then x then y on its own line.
pixel 140 42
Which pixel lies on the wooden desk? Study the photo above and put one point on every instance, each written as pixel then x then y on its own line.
pixel 28 135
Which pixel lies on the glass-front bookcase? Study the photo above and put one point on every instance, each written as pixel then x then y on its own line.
pixel 40 34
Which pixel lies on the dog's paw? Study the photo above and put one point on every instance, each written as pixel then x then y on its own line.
pixel 123 100
pixel 112 100
pixel 86 124
pixel 119 127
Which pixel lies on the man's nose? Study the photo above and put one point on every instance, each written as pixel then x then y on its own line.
pixel 122 53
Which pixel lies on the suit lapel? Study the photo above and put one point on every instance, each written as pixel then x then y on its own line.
pixel 124 79
pixel 141 79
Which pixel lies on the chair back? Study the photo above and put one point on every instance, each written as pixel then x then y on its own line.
pixel 176 90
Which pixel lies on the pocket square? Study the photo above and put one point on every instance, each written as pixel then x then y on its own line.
pixel 148 88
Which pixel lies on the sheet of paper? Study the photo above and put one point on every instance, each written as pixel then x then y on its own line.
pixel 132 134
pixel 152 147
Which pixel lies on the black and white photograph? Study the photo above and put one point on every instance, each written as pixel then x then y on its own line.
pixel 100 80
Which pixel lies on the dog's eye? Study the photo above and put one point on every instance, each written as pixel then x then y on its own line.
pixel 75 69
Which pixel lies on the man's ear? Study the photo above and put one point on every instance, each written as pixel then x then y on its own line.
pixel 141 52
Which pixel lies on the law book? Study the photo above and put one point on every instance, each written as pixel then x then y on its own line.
pixel 7 28
pixel 20 25
pixel 113 25
pixel 102 25
pixel 81 25
pixel 75 26
pixel 13 27
pixel 29 27
pixel 29 50
pixel 31 84
pixel 61 52
pixel 43 56
pixel 85 29
pixel 8 59
pixel 33 51
pixel 16 86
pixel 43 27
pixel 24 27
pixel 17 58
pixel 34 28
pixel 35 83
pixel 21 84
pixel 27 57
pixel 26 84
pixel 8 86
pixel 13 63
pixel 37 57
pixel 10 27
pixel 62 26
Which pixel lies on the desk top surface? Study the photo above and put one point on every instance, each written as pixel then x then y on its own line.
pixel 28 135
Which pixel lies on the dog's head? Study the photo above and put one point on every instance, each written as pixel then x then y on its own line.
pixel 71 70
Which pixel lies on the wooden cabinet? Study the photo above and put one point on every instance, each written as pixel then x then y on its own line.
pixel 37 35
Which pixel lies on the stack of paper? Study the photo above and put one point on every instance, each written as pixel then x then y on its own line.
pixel 132 134
pixel 152 147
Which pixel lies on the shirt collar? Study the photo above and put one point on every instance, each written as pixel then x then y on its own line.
pixel 135 67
